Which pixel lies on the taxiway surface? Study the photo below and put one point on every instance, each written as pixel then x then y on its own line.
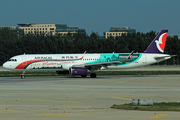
pixel 55 98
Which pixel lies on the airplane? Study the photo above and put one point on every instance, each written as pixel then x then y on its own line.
pixel 83 64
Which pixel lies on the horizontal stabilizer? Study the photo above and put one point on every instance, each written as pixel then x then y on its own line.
pixel 165 56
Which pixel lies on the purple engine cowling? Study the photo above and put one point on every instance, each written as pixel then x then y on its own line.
pixel 78 71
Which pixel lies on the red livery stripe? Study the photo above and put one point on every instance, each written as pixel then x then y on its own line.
pixel 24 64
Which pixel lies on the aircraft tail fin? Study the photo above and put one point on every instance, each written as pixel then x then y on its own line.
pixel 158 44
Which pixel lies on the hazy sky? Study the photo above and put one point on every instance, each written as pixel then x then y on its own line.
pixel 95 15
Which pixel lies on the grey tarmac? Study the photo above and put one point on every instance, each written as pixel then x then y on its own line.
pixel 55 98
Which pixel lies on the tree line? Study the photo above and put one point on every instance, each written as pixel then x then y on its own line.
pixel 11 44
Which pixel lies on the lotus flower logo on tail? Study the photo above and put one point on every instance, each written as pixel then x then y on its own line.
pixel 158 44
pixel 161 42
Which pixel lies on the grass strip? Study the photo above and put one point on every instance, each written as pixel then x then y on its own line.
pixel 99 73
pixel 29 73
pixel 170 106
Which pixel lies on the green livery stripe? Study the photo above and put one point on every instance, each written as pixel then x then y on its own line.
pixel 117 57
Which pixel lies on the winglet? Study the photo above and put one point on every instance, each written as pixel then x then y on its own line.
pixel 130 56
pixel 85 52
pixel 158 44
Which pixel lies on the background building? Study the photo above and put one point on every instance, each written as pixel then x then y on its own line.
pixel 49 29
pixel 43 29
pixel 14 29
pixel 118 31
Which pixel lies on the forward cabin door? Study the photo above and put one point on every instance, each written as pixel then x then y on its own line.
pixel 144 59
pixel 24 59
pixel 58 63
pixel 101 60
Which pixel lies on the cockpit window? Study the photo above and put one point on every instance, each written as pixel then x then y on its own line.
pixel 14 60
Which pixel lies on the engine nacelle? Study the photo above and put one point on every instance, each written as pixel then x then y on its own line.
pixel 78 71
pixel 62 72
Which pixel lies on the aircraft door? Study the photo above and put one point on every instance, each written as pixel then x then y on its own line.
pixel 58 63
pixel 24 59
pixel 144 59
pixel 101 60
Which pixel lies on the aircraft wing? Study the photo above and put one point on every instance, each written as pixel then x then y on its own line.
pixel 103 64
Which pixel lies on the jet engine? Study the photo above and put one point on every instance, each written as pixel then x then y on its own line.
pixel 78 71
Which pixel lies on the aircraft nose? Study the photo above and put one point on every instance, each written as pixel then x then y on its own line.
pixel 6 65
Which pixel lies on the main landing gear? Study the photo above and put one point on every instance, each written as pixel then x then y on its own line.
pixel 92 75
pixel 83 76
pixel 23 75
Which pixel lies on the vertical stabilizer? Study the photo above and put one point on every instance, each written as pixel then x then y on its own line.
pixel 158 44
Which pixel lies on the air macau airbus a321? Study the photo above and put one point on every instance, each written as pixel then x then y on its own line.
pixel 83 64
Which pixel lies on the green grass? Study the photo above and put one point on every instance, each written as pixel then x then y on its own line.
pixel 99 73
pixel 28 73
pixel 170 106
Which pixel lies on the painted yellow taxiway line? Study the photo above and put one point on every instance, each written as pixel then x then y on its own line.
pixel 61 114
pixel 53 101
pixel 122 98
pixel 15 114
pixel 159 116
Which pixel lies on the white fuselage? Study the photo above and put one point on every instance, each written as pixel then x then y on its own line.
pixel 63 62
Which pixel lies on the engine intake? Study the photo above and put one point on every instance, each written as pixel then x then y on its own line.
pixel 78 71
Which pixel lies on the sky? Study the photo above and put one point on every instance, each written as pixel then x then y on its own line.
pixel 95 15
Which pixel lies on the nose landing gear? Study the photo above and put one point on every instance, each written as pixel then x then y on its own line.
pixel 23 75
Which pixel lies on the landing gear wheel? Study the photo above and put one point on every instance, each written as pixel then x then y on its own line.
pixel 83 76
pixel 22 76
pixel 93 75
